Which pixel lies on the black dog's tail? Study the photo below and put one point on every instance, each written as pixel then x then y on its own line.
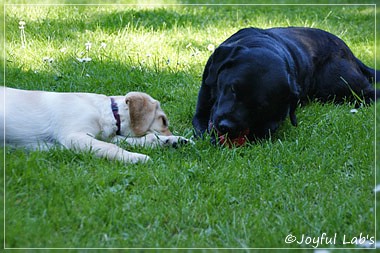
pixel 372 75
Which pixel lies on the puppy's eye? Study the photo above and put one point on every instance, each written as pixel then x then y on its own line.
pixel 164 121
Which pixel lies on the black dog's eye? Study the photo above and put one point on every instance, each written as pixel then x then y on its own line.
pixel 233 90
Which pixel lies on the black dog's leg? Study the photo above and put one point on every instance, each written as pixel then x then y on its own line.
pixel 203 110
pixel 340 81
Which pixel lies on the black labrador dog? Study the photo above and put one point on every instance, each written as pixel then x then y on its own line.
pixel 257 77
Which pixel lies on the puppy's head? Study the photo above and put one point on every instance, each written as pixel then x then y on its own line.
pixel 146 115
pixel 253 93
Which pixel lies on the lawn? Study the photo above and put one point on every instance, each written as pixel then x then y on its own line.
pixel 305 181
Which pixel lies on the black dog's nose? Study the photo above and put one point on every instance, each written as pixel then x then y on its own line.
pixel 226 126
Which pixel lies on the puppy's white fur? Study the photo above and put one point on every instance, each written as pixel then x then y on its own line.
pixel 83 121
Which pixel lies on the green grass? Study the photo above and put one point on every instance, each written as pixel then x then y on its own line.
pixel 313 179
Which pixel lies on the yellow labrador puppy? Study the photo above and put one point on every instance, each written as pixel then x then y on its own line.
pixel 84 121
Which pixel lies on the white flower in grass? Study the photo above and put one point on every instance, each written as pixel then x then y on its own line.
pixel 88 46
pixel 353 111
pixel 63 50
pixel 211 47
pixel 103 45
pixel 85 59
pixel 22 24
pixel 22 31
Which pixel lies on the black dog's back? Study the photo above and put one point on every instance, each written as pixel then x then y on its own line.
pixel 336 74
pixel 326 67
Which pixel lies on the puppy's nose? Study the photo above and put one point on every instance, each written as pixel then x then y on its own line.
pixel 226 126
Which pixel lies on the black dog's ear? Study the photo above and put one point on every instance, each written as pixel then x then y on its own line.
pixel 294 98
pixel 221 56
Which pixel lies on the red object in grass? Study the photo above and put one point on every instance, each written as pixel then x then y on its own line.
pixel 240 140
pixel 237 142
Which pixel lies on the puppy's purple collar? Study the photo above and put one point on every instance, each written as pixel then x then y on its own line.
pixel 115 111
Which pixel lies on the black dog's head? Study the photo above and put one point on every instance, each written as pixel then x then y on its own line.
pixel 253 91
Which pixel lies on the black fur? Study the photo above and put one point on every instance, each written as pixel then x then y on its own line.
pixel 257 77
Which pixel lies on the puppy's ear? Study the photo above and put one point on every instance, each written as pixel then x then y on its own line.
pixel 218 60
pixel 294 98
pixel 142 110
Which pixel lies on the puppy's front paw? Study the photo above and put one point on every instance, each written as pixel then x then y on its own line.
pixel 176 141
pixel 137 158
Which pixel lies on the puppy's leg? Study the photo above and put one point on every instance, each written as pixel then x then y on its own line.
pixel 153 140
pixel 84 142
